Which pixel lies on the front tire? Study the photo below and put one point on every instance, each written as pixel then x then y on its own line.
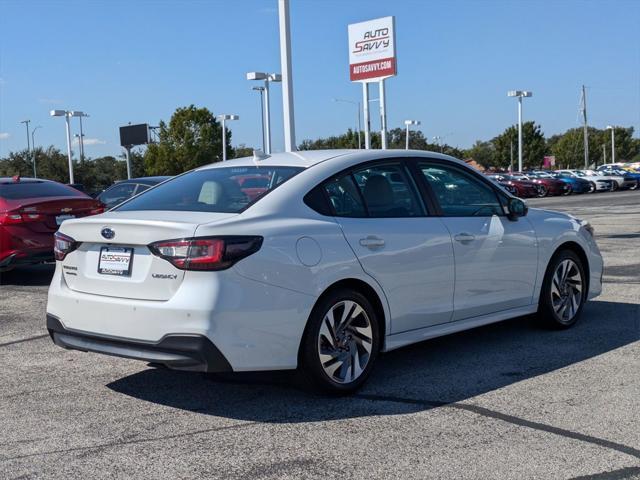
pixel 341 343
pixel 592 187
pixel 542 191
pixel 563 291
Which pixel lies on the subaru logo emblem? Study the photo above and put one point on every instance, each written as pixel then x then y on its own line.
pixel 107 233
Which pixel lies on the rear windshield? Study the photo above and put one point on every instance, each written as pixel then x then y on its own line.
pixel 220 190
pixel 18 190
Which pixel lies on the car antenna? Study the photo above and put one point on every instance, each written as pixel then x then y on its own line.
pixel 259 155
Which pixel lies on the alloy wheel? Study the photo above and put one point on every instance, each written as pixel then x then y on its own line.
pixel 566 290
pixel 345 341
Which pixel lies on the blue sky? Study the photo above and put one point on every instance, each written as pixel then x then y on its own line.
pixel 126 61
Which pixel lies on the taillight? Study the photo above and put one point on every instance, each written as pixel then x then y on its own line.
pixel 13 218
pixel 63 245
pixel 206 253
pixel 97 210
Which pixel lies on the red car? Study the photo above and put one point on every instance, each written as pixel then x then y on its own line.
pixel 31 210
pixel 517 187
pixel 548 184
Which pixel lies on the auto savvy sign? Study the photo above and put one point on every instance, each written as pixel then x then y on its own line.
pixel 372 50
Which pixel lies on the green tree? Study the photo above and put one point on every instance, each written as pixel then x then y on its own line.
pixel 191 139
pixel 481 152
pixel 242 151
pixel 533 146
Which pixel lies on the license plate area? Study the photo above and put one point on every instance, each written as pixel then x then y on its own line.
pixel 115 261
pixel 62 218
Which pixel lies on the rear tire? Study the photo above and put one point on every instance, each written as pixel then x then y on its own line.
pixel 542 191
pixel 614 186
pixel 340 344
pixel 567 191
pixel 592 187
pixel 563 292
pixel 635 186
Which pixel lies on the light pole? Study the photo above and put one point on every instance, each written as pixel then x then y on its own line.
pixel 519 94
pixel 261 90
pixel 81 136
pixel 407 124
pixel 224 118
pixel 357 104
pixel 268 78
pixel 287 77
pixel 26 122
pixel 613 143
pixel 33 149
pixel 66 114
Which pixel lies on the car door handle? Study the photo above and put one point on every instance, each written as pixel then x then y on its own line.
pixel 464 237
pixel 372 242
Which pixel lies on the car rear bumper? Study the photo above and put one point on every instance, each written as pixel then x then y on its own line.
pixel 255 326
pixel 17 258
pixel 176 351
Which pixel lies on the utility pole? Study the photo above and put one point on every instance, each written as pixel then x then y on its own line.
pixel 383 116
pixel 287 77
pixel 604 154
pixel 365 114
pixel 586 131
pixel 26 122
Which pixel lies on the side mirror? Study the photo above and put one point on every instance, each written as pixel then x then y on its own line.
pixel 517 208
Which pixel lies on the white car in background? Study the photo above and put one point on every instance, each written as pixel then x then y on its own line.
pixel 618 181
pixel 341 255
pixel 602 183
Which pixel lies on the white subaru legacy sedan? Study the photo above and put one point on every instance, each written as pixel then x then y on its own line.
pixel 316 260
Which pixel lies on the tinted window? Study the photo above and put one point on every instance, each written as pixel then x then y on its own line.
pixel 210 190
pixel 459 193
pixel 344 197
pixel 117 194
pixel 388 191
pixel 17 190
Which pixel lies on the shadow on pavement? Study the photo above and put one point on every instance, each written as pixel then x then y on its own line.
pixel 445 370
pixel 33 275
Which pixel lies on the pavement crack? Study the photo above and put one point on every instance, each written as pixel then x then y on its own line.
pixel 22 340
pixel 119 443
pixel 485 412
pixel 627 472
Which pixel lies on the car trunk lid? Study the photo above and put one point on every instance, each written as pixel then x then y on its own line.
pixel 87 269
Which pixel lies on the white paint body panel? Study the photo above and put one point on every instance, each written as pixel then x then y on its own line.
pixel 256 312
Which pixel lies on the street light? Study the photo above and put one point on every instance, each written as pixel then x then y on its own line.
pixel 66 114
pixel 268 78
pixel 223 118
pixel 357 104
pixel 26 122
pixel 613 143
pixel 81 136
pixel 519 94
pixel 261 90
pixel 408 123
pixel 33 149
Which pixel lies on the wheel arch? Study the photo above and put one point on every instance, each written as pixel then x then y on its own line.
pixel 580 252
pixel 365 289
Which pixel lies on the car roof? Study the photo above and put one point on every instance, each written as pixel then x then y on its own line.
pixel 308 158
pixel 6 180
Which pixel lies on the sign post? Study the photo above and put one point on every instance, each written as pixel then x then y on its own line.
pixel 372 58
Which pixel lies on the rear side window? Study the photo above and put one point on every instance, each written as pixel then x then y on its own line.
pixel 219 190
pixel 18 190
pixel 378 191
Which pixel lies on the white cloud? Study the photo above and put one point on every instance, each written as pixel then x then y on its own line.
pixel 52 101
pixel 90 141
pixel 4 135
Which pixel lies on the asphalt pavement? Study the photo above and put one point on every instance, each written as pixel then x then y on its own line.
pixel 509 400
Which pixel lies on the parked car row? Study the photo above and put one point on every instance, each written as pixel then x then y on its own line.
pixel 541 183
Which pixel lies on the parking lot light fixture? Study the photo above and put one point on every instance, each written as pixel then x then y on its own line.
pixel 408 123
pixel 520 94
pixel 268 78
pixel 613 143
pixel 223 119
pixel 78 114
pixel 261 90
pixel 67 115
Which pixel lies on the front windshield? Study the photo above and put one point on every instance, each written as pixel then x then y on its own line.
pixel 219 190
